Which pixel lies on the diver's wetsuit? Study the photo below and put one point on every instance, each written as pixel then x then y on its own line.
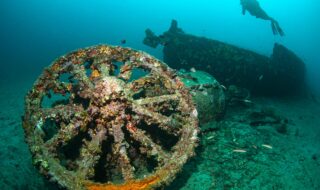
pixel 253 7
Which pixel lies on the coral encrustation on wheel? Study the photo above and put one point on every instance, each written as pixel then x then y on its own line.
pixel 108 117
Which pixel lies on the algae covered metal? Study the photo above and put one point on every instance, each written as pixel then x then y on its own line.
pixel 283 73
pixel 109 117
pixel 207 93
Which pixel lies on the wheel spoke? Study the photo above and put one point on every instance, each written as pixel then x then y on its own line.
pixel 103 68
pixel 79 74
pixel 90 152
pixel 65 134
pixel 75 116
pixel 152 149
pixel 165 123
pixel 157 99
pixel 126 71
pixel 59 87
pixel 152 117
pixel 142 82
pixel 127 169
pixel 62 111
pixel 120 150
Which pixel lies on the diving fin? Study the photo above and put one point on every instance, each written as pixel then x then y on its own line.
pixel 280 31
pixel 276 29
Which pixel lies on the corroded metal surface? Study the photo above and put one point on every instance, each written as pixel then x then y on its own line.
pixel 109 117
pixel 207 93
pixel 282 74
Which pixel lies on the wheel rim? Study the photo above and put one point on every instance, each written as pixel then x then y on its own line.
pixel 110 122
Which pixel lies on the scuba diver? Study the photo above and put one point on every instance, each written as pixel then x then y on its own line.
pixel 253 7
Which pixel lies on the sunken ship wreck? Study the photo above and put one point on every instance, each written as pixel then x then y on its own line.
pixel 281 74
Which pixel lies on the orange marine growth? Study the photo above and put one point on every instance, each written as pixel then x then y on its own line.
pixel 130 126
pixel 133 185
pixel 95 74
pixel 55 67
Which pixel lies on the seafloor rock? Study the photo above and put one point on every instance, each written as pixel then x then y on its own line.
pixel 236 96
pixel 282 74
pixel 268 116
pixel 207 93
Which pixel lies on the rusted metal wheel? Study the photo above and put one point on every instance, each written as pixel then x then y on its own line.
pixel 109 117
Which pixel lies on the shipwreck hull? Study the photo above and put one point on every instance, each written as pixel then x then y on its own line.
pixel 281 74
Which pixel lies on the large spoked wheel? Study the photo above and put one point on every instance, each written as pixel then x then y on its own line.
pixel 109 117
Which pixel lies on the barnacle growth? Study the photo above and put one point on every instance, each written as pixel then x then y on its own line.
pixel 109 117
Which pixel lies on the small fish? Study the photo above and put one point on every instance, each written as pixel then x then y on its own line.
pixel 164 43
pixel 205 93
pixel 211 137
pixel 39 124
pixel 193 69
pixel 195 113
pixel 223 87
pixel 123 41
pixel 239 150
pixel 247 101
pixel 261 77
pixel 267 146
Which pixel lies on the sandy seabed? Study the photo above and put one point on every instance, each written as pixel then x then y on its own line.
pixel 233 153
